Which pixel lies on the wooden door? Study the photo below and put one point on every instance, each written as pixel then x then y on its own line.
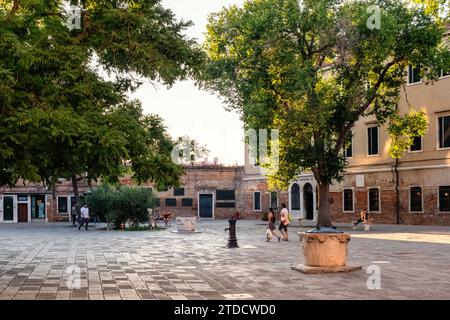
pixel 23 212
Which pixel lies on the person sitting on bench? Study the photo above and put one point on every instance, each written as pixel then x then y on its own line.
pixel 364 216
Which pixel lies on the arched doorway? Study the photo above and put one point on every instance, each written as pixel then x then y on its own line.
pixel 308 200
pixel 295 197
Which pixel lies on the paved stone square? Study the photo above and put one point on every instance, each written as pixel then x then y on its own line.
pixel 39 261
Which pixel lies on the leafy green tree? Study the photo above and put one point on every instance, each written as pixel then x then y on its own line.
pixel 100 202
pixel 132 204
pixel 402 130
pixel 120 205
pixel 60 116
pixel 436 7
pixel 312 68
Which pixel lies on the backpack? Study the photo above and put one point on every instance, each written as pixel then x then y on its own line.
pixel 290 217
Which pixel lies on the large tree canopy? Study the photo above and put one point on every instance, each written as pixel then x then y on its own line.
pixel 60 116
pixel 312 68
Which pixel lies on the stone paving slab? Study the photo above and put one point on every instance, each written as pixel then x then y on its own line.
pixel 49 261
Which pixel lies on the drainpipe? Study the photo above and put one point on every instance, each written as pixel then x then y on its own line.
pixel 397 190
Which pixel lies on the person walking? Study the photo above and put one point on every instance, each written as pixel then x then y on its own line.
pixel 284 222
pixel 73 213
pixel 272 219
pixel 84 217
pixel 363 217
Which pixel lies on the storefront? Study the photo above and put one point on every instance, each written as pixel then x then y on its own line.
pixel 24 208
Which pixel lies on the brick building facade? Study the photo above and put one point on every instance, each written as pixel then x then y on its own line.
pixel 219 192
pixel 208 191
pixel 33 202
pixel 370 180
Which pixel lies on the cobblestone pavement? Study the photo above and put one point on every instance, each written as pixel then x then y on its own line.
pixel 37 261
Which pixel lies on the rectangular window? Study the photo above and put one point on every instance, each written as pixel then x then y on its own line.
pixel 225 195
pixel 415 199
pixel 257 201
pixel 225 199
pixel 349 144
pixel 417 144
pixel 62 205
pixel 274 200
pixel 444 199
pixel 171 202
pixel 178 192
pixel 348 200
pixel 22 198
pixel 444 132
pixel 374 200
pixel 413 75
pixel 186 202
pixel 372 140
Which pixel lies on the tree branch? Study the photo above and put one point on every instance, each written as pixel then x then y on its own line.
pixel 322 49
pixel 375 88
pixel 301 44
pixel 15 6
pixel 346 129
pixel 342 136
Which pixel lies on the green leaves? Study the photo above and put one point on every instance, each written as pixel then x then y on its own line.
pixel 144 39
pixel 121 204
pixel 313 70
pixel 59 117
pixel 403 129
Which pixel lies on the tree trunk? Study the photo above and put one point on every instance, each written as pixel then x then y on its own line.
pixel 324 219
pixel 75 189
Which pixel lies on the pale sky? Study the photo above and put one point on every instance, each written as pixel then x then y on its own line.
pixel 188 111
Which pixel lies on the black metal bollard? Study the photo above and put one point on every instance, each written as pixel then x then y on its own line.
pixel 232 240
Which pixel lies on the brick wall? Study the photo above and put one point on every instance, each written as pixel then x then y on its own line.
pixel 208 179
pixel 259 185
pixel 205 179
pixel 428 180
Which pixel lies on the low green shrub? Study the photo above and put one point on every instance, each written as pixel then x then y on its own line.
pixel 264 216
pixel 121 205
